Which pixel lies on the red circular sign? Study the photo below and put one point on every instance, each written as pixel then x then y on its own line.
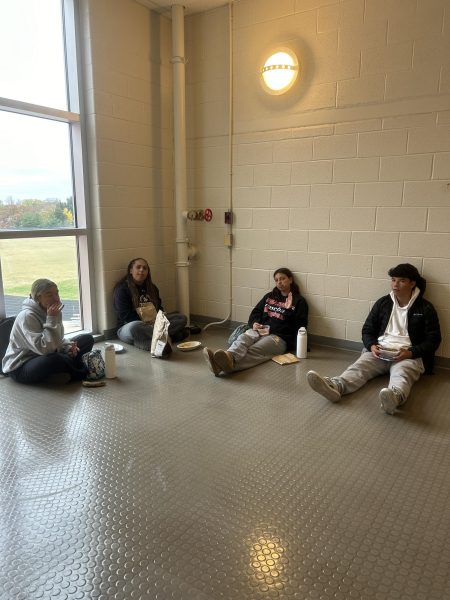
pixel 208 214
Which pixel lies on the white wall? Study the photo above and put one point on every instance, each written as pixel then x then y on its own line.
pixel 128 91
pixel 208 110
pixel 342 178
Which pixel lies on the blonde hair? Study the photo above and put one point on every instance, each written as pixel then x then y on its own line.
pixel 40 286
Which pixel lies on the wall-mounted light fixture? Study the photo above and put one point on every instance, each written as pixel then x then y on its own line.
pixel 280 71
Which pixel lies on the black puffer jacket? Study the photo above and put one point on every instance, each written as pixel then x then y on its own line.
pixel 423 328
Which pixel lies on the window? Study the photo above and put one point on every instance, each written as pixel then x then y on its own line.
pixel 42 215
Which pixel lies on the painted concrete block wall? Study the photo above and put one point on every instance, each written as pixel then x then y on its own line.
pixel 208 109
pixel 127 73
pixel 344 177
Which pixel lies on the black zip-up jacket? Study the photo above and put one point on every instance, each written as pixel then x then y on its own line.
pixel 284 322
pixel 423 328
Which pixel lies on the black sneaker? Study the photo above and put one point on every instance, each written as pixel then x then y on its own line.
pixel 181 335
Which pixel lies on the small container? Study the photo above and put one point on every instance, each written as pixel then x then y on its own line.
pixel 110 361
pixel 388 353
pixel 264 330
pixel 302 343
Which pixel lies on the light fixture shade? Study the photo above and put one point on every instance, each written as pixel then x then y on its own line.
pixel 280 71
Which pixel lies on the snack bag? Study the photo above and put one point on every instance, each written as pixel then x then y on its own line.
pixel 160 340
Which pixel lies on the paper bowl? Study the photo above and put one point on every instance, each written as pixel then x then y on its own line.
pixel 188 346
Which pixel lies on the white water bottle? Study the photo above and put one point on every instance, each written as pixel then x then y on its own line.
pixel 302 343
pixel 110 361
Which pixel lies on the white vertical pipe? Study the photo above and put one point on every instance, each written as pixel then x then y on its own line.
pixel 230 161
pixel 179 125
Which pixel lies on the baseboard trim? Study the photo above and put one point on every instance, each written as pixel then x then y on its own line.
pixel 440 361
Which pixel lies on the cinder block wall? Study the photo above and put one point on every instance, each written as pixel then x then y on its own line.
pixel 341 178
pixel 128 90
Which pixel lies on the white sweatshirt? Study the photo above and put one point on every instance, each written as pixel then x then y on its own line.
pixel 34 333
pixel 396 334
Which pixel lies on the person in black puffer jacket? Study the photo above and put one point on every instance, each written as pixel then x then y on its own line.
pixel 400 335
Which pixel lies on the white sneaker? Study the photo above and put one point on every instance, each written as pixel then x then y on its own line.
pixel 324 386
pixel 390 399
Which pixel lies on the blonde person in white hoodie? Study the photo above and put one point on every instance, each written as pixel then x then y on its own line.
pixel 37 348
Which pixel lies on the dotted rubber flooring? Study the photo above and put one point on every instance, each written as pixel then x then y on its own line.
pixel 169 483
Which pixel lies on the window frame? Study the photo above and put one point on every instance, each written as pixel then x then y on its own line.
pixel 73 118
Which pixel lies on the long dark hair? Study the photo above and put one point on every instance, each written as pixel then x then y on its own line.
pixel 294 287
pixel 148 284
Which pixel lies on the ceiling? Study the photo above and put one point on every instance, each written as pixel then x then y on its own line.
pixel 191 6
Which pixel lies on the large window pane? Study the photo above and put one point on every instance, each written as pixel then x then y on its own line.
pixel 24 260
pixel 35 173
pixel 41 163
pixel 32 64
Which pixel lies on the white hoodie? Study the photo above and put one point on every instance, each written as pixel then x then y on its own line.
pixel 34 333
pixel 396 334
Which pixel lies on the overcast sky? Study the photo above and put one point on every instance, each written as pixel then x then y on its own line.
pixel 34 153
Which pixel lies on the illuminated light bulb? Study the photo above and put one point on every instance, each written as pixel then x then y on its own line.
pixel 280 72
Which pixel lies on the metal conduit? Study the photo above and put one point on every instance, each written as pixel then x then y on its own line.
pixel 230 164
pixel 179 124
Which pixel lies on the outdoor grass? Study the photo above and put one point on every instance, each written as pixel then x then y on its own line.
pixel 25 260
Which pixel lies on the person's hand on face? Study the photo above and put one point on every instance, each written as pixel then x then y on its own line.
pixel 51 302
pixel 73 349
pixel 54 309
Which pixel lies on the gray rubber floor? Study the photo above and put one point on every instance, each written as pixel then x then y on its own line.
pixel 169 483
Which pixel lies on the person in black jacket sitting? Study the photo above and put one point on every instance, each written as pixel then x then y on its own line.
pixel 273 326
pixel 136 302
pixel 400 335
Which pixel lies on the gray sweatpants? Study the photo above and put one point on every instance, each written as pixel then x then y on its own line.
pixel 251 349
pixel 402 375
